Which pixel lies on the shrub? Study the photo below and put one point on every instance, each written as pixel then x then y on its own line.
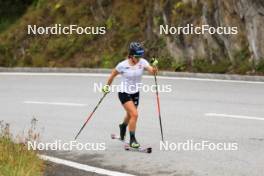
pixel 207 66
pixel 260 67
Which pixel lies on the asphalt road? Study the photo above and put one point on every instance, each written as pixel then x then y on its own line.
pixel 195 110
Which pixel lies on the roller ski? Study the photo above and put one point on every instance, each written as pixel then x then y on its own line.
pixel 132 146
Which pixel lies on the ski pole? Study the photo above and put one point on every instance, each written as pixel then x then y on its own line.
pixel 158 105
pixel 154 62
pixel 89 117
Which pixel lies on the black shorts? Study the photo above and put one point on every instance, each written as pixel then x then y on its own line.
pixel 125 97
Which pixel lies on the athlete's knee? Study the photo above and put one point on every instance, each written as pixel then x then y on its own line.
pixel 133 114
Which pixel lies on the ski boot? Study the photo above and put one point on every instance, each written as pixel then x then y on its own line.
pixel 133 143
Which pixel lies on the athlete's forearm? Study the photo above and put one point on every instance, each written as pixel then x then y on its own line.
pixel 152 70
pixel 112 76
pixel 110 80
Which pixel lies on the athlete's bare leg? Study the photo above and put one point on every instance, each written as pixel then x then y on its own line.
pixel 132 115
pixel 126 119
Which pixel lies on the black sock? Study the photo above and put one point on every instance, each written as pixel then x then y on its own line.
pixel 132 135
pixel 124 124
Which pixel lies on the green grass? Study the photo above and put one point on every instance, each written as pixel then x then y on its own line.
pixel 15 159
pixel 207 66
pixel 260 67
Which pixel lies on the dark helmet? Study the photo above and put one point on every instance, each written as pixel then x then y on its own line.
pixel 136 49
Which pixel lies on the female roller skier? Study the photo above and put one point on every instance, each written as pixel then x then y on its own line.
pixel 131 70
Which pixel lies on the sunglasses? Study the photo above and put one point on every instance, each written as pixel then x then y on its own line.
pixel 137 56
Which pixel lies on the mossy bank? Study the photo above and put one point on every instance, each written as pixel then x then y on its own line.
pixel 139 20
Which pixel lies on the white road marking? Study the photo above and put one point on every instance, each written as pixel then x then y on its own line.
pixel 83 166
pixel 54 103
pixel 234 116
pixel 106 75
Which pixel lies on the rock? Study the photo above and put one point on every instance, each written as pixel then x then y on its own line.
pixel 246 15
